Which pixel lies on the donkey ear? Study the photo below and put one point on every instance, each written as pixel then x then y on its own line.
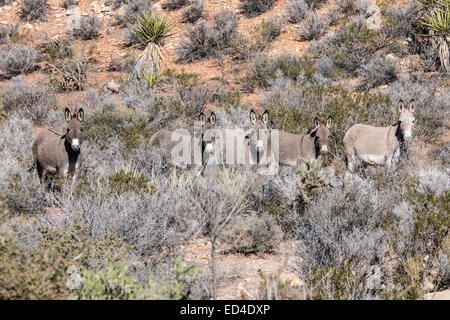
pixel 67 114
pixel 412 106
pixel 265 117
pixel 252 117
pixel 328 123
pixel 401 106
pixel 316 123
pixel 202 118
pixel 212 118
pixel 80 114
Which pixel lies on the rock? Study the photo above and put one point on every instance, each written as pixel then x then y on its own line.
pixel 28 26
pixel 374 21
pixel 121 11
pixel 73 10
pixel 74 21
pixel 58 15
pixel 100 15
pixel 113 86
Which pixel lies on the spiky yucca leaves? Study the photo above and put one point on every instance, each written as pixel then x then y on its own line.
pixel 437 20
pixel 153 30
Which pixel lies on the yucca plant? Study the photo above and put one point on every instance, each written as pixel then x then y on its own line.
pixel 152 30
pixel 437 21
pixel 151 78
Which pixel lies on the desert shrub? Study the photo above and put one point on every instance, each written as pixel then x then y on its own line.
pixel 53 50
pixel 70 74
pixel 196 97
pixel 262 70
pixel 103 125
pixel 226 23
pixel 132 9
pixel 400 21
pixel 271 28
pixel 379 71
pixel 325 66
pixel 116 282
pixel 129 181
pixel 31 10
pixel 253 8
pixel 347 6
pixel 123 63
pixel 194 11
pixel 296 10
pixel 315 4
pixel 4 2
pixel 27 100
pixel 173 4
pixel 26 276
pixel 276 286
pixel 8 32
pixel 67 3
pixel 202 41
pixel 16 59
pixel 89 28
pixel 342 242
pixel 244 47
pixel 350 47
pixel 252 234
pixel 313 27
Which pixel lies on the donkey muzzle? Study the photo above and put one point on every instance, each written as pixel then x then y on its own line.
pixel 324 149
pixel 75 144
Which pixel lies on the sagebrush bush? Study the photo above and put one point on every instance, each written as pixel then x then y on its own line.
pixel 173 4
pixel 53 50
pixel 349 47
pixel 400 21
pixel 252 234
pixel 69 75
pixel 8 31
pixel 313 27
pixel 132 8
pixel 27 100
pixel 31 10
pixel 255 7
pixel 271 28
pixel 123 63
pixel 296 10
pixel 202 41
pixel 342 242
pixel 379 71
pixel 194 11
pixel 67 3
pixel 262 70
pixel 16 59
pixel 89 28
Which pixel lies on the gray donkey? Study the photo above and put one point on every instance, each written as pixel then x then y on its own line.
pixel 56 153
pixel 380 145
pixel 294 148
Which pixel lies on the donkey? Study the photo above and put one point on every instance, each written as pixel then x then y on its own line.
pixel 56 153
pixel 295 148
pixel 163 139
pixel 380 145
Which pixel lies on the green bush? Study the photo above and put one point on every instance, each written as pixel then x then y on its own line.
pixel 116 283
pixel 263 69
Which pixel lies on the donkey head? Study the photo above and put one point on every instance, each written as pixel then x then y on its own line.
pixel 406 119
pixel 208 136
pixel 74 128
pixel 321 135
pixel 256 133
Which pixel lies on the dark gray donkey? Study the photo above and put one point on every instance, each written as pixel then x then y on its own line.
pixel 56 153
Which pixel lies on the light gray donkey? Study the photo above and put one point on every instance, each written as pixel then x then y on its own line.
pixel 379 145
